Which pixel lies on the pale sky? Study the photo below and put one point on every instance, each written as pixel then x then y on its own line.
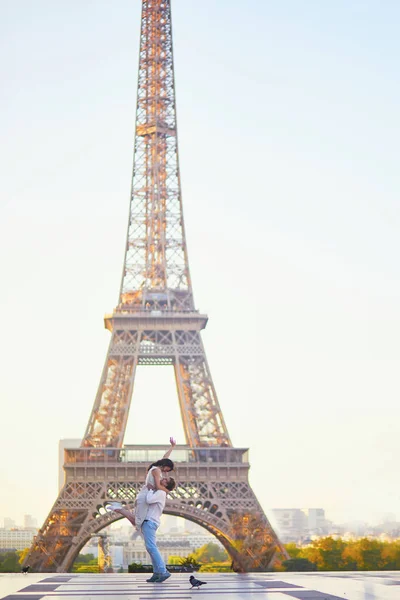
pixel 288 118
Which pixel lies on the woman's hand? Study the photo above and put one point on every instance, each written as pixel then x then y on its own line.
pixel 172 441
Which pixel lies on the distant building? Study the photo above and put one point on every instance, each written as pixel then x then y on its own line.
pixel 316 521
pixel 390 529
pixel 117 556
pixel 294 524
pixel 30 522
pixel 125 549
pixel 172 523
pixel 62 445
pixel 197 540
pixel 16 539
pixel 189 526
pixel 291 523
pixel 135 551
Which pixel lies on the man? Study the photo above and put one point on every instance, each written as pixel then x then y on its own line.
pixel 156 502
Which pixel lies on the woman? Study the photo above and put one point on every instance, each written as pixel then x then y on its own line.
pixel 155 473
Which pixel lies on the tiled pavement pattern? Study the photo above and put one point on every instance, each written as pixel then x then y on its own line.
pixel 222 586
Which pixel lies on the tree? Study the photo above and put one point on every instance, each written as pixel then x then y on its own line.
pixel 326 553
pixel 391 556
pixel 85 563
pixel 173 559
pixel 22 554
pixel 190 562
pixel 293 550
pixel 338 555
pixel 299 564
pixel 210 553
pixel 9 562
pixel 331 551
pixel 366 554
pixel 85 558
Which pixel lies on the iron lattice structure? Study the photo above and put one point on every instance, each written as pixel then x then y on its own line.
pixel 156 323
pixel 103 557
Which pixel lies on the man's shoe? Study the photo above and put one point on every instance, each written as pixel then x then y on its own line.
pixel 153 578
pixel 162 577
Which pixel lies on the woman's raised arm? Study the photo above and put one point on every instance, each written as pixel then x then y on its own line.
pixel 172 441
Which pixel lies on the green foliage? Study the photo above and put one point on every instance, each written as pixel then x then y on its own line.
pixel 216 567
pixel 193 560
pixel 85 558
pixel 85 563
pixel 190 561
pixel 86 568
pixel 293 550
pixel 9 562
pixel 299 564
pixel 328 554
pixel 22 554
pixel 210 553
pixel 139 568
pixel 174 560
pixel 210 557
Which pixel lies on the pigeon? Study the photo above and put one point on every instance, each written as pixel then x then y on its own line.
pixel 25 570
pixel 196 582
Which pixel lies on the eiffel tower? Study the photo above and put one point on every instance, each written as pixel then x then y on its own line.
pixel 156 323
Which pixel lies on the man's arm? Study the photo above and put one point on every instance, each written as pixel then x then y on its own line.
pixel 154 497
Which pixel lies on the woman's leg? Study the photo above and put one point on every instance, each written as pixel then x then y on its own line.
pixel 122 510
pixel 127 514
pixel 149 529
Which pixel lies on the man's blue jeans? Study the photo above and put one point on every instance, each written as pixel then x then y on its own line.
pixel 149 529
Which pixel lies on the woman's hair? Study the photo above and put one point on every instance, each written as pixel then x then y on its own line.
pixel 163 462
pixel 170 485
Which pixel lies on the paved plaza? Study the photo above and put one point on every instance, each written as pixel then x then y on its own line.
pixel 260 586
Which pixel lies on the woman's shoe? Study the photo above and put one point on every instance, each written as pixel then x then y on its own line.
pixel 153 578
pixel 112 506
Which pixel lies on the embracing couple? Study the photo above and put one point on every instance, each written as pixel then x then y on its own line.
pixel 150 504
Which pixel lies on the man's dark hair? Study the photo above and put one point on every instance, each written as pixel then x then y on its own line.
pixel 170 485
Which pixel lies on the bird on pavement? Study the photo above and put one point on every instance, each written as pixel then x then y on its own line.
pixel 25 570
pixel 196 582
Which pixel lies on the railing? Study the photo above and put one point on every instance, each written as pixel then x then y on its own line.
pixel 147 455
pixel 153 311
